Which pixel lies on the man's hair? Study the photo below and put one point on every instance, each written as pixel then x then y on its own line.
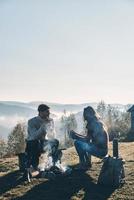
pixel 42 107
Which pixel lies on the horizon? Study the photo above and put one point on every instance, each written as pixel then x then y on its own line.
pixel 64 103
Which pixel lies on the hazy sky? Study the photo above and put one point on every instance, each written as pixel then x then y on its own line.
pixel 68 51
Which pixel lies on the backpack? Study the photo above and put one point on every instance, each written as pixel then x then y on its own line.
pixel 112 172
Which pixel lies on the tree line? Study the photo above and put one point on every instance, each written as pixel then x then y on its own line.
pixel 117 122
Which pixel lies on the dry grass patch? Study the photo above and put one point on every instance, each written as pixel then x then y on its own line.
pixel 77 186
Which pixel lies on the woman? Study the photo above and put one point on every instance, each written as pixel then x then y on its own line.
pixel 94 143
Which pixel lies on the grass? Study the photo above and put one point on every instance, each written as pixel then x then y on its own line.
pixel 76 186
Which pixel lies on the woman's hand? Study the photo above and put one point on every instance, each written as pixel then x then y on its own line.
pixel 72 134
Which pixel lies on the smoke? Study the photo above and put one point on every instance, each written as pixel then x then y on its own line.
pixel 7 123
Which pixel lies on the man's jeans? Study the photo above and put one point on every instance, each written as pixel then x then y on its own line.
pixel 85 149
pixel 34 149
pixel 33 153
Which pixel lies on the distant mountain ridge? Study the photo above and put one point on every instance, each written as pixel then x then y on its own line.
pixel 57 107
pixel 12 109
pixel 9 108
pixel 11 112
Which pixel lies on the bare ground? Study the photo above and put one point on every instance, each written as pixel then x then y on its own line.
pixel 76 186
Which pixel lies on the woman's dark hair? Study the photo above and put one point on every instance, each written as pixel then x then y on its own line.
pixel 90 110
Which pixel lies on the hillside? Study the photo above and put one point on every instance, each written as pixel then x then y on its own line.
pixel 27 109
pixel 12 112
pixel 15 109
pixel 76 186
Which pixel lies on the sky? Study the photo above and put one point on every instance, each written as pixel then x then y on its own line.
pixel 73 51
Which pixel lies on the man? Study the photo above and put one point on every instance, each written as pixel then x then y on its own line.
pixel 94 143
pixel 37 138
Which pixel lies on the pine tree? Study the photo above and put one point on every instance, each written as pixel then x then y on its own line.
pixel 16 140
pixel 68 123
pixel 3 148
pixel 101 109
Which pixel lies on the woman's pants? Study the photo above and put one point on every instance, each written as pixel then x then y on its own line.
pixel 86 149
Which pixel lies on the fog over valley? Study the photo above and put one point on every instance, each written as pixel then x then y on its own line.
pixel 12 112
